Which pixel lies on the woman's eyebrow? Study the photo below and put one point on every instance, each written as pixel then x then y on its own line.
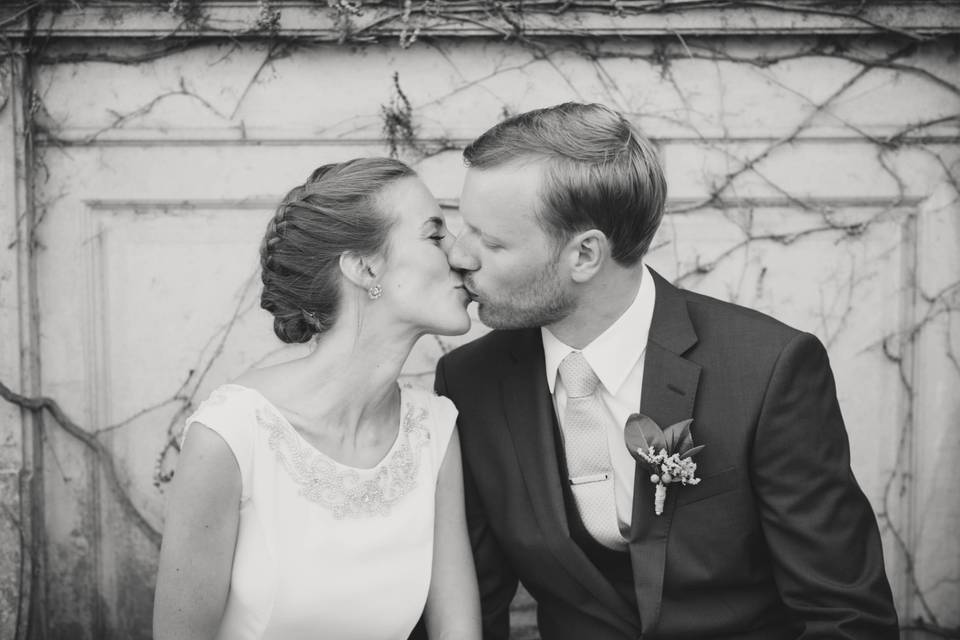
pixel 435 221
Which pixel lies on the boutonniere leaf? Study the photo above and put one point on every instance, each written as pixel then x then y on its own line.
pixel 643 433
pixel 665 453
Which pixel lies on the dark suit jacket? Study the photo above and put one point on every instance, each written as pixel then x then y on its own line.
pixel 777 541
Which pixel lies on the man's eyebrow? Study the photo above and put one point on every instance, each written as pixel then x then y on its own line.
pixel 482 234
pixel 485 236
pixel 493 240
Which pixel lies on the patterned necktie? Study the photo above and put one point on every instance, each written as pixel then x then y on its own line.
pixel 588 457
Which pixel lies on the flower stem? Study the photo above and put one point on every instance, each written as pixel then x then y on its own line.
pixel 659 497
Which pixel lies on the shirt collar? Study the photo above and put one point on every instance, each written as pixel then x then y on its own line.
pixel 614 353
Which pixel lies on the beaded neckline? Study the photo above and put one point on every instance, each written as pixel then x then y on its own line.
pixel 268 407
pixel 349 491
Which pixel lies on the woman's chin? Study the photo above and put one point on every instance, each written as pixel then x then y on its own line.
pixel 454 327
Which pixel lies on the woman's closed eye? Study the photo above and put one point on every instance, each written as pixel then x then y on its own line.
pixel 437 230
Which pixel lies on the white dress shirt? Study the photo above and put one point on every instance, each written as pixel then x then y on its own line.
pixel 616 356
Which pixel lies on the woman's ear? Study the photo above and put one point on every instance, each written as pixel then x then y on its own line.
pixel 359 270
pixel 587 251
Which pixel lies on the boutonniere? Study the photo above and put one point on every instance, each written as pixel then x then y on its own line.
pixel 665 453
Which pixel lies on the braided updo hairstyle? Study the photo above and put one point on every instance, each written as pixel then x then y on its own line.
pixel 333 212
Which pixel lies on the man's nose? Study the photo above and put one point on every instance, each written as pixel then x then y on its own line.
pixel 460 257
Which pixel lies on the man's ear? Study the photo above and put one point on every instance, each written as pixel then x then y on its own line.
pixel 588 251
pixel 359 270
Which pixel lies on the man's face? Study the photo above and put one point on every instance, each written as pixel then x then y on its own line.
pixel 511 266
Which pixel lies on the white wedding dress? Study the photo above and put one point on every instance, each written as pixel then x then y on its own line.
pixel 325 550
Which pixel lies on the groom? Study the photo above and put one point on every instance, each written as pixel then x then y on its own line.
pixel 776 541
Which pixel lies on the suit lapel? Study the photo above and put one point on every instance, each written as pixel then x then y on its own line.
pixel 529 411
pixel 669 391
pixel 530 414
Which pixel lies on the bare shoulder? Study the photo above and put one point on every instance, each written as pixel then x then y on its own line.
pixel 205 455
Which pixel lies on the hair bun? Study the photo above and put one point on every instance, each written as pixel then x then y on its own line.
pixel 293 328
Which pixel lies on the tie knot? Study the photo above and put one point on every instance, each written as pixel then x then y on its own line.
pixel 578 378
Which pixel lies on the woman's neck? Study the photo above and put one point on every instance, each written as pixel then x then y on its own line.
pixel 364 368
pixel 348 382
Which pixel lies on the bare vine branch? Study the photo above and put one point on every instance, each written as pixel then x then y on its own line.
pixel 43 404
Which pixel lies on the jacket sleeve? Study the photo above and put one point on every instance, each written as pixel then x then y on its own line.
pixel 495 577
pixel 819 526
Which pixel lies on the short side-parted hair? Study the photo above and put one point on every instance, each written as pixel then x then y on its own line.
pixel 600 173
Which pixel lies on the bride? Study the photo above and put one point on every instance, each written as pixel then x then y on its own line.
pixel 316 498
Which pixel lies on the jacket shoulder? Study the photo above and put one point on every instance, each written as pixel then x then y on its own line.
pixel 718 319
pixel 488 348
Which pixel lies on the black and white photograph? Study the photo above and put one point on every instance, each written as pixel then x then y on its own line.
pixel 479 320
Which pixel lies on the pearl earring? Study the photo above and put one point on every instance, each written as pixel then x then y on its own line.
pixel 375 292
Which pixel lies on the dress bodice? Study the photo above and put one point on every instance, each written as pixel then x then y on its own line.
pixel 325 550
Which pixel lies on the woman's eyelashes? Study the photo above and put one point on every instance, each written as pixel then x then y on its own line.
pixel 440 232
